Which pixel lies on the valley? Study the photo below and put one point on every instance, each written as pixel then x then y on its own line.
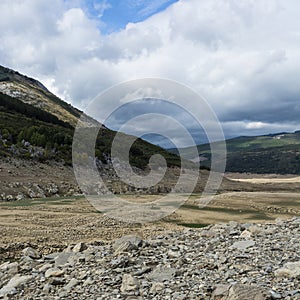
pixel 49 227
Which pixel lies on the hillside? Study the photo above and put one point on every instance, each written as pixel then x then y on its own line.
pixel 274 153
pixel 32 92
pixel 36 126
pixel 31 116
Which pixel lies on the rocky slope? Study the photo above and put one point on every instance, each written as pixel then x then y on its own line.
pixel 31 91
pixel 220 262
pixel 36 132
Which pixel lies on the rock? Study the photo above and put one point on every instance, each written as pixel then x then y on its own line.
pixel 255 229
pixel 157 287
pixel 161 274
pixel 129 284
pixel 73 282
pixel 15 282
pixel 243 245
pixel 62 259
pixel 47 288
pixel 9 198
pixel 220 292
pixel 20 197
pixel 9 268
pixel 246 234
pixel 208 233
pixel 127 243
pixel 45 267
pixel 54 272
pixel 239 292
pixel 290 269
pixel 88 281
pixel 31 193
pixel 32 253
pixel 80 247
pixel 275 295
pixel 175 264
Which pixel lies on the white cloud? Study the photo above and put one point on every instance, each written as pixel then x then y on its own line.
pixel 242 56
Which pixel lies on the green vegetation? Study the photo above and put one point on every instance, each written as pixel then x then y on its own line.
pixel 32 133
pixel 274 153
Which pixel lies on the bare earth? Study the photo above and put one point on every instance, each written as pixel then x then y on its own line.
pixel 53 223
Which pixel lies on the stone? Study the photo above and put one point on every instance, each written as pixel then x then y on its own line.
pixel 72 283
pixel 57 281
pixel 246 234
pixel 275 295
pixel 127 243
pixel 220 291
pixel 54 272
pixel 10 268
pixel 129 283
pixel 79 247
pixel 88 281
pixel 243 245
pixel 14 283
pixel 30 252
pixel 62 259
pixel 157 287
pixel 208 267
pixel 161 274
pixel 290 269
pixel 239 292
pixel 47 288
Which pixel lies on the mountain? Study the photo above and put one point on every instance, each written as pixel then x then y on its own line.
pixel 32 92
pixel 35 123
pixel 273 153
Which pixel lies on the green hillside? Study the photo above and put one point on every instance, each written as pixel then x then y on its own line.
pixel 31 133
pixel 273 153
pixel 35 124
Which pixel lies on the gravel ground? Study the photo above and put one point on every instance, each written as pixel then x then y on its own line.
pixel 223 261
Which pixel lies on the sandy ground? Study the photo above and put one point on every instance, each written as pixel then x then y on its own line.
pixel 267 180
pixel 54 223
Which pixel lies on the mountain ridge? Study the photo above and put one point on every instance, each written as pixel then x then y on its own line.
pixel 33 92
pixel 269 153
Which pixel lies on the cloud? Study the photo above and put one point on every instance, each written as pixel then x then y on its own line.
pixel 242 56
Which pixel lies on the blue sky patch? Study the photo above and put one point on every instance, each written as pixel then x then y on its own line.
pixel 115 15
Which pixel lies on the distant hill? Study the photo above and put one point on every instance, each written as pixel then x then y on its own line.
pixel 274 153
pixel 36 124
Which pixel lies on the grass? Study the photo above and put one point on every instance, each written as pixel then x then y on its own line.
pixel 259 216
pixel 218 209
pixel 39 201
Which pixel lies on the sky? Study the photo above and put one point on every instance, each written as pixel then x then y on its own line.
pixel 242 56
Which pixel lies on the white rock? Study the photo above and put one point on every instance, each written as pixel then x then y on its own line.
pixel 129 283
pixel 30 252
pixel 157 287
pixel 243 245
pixel 73 282
pixel 290 269
pixel 14 283
pixel 9 268
pixel 80 247
pixel 54 272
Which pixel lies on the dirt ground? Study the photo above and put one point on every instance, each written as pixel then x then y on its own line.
pixel 52 223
